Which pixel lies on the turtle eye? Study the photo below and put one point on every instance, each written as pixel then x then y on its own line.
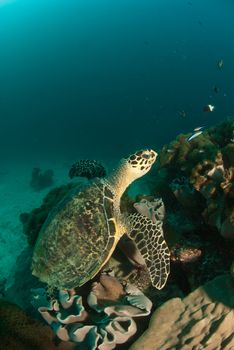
pixel 146 156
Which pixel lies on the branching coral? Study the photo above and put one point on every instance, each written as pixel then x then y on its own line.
pixel 107 320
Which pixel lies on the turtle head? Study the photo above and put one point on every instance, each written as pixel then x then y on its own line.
pixel 140 162
pixel 130 169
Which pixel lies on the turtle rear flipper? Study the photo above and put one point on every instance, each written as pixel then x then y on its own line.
pixel 149 239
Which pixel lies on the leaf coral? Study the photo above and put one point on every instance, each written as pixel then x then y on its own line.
pixel 101 321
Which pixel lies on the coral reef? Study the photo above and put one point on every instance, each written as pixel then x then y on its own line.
pixel 87 168
pixel 19 332
pixel 196 260
pixel 198 256
pixel 184 192
pixel 201 175
pixel 41 180
pixel 107 320
pixel 202 320
pixel 195 180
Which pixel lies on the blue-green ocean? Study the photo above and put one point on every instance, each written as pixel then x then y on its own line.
pixel 103 78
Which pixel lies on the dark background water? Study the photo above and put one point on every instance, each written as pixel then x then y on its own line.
pixel 102 78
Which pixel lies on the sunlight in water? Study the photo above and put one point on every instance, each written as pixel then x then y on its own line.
pixel 6 2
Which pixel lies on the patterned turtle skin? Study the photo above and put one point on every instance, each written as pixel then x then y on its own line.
pixel 81 233
pixel 87 168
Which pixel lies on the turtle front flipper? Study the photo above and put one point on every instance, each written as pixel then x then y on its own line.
pixel 149 239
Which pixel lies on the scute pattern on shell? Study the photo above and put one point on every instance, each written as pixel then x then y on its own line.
pixel 76 238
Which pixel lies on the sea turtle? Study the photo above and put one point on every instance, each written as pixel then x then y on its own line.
pixel 82 231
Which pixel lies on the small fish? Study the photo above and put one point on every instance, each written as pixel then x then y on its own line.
pixel 194 135
pixel 170 151
pixel 220 63
pixel 198 128
pixel 216 89
pixel 201 151
pixel 208 108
